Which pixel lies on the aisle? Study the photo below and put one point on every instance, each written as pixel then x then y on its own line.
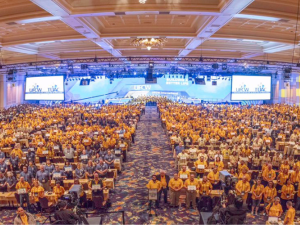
pixel 148 155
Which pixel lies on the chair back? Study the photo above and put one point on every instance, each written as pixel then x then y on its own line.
pixel 85 186
pixel 17 196
pixel 44 203
pixel 98 202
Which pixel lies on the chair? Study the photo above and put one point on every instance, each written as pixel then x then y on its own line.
pixel 98 202
pixel 46 207
pixel 17 196
pixel 85 186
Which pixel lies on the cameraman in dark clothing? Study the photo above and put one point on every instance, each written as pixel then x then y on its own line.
pixel 64 215
pixel 234 213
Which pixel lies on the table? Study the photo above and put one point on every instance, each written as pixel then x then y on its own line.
pixel 109 182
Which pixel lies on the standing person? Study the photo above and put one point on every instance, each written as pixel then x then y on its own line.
pixel 154 184
pixel 24 218
pixel 178 150
pixel 214 178
pixel 175 186
pixel 164 182
pixel 43 177
pixel 23 189
pixel 287 193
pixel 274 209
pixel 191 185
pixel 268 174
pixel 257 192
pixel 26 174
pixel 69 153
pixel 243 188
pixel 290 214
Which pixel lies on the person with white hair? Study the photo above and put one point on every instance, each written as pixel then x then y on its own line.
pixel 164 180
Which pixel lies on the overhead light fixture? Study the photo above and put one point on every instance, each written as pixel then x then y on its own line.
pixel 142 1
pixel 254 17
pixel 149 42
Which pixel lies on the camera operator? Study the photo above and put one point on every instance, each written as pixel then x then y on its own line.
pixel 234 213
pixel 64 215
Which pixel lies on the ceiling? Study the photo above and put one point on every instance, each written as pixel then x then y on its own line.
pixel 42 30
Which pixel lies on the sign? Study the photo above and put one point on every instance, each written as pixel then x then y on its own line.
pixel 192 188
pixel 96 187
pixel 153 194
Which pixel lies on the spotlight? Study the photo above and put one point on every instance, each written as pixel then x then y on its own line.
pixel 134 73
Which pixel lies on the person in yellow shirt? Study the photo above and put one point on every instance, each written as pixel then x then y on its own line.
pixel 58 190
pixel 205 187
pixel 274 209
pixel 219 163
pixel 243 188
pixel 37 192
pixel 268 174
pixel 175 185
pixel 282 178
pixel 290 214
pixel 164 182
pixel 154 184
pixel 23 188
pixel 257 193
pixel 226 156
pixel 18 152
pixel 184 173
pixel 244 174
pixel 214 178
pixel 192 185
pixel 287 193
pixel 200 165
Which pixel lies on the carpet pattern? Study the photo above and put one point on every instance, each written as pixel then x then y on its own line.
pixel 150 153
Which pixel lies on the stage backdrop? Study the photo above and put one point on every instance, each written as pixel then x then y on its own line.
pixel 174 88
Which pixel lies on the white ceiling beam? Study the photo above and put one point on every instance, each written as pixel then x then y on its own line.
pixel 30 51
pixel 213 24
pixel 79 25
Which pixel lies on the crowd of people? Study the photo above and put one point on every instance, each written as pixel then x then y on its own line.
pixel 43 147
pixel 257 145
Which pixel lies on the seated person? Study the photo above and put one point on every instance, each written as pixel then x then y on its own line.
pixel 79 172
pixel 101 169
pixel 58 175
pixel 89 170
pixel 68 170
pixel 58 190
pixel 96 185
pixel 109 160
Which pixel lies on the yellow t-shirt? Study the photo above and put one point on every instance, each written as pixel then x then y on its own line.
pixel 163 181
pixel 205 187
pixel 152 185
pixel 274 210
pixel 290 214
pixel 24 219
pixel 175 184
pixel 36 192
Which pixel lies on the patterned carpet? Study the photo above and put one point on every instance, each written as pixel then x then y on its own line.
pixel 147 156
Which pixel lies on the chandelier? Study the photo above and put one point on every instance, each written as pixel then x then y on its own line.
pixel 149 42
pixel 142 1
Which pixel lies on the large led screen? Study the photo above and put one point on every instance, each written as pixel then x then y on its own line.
pixel 250 88
pixel 45 88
